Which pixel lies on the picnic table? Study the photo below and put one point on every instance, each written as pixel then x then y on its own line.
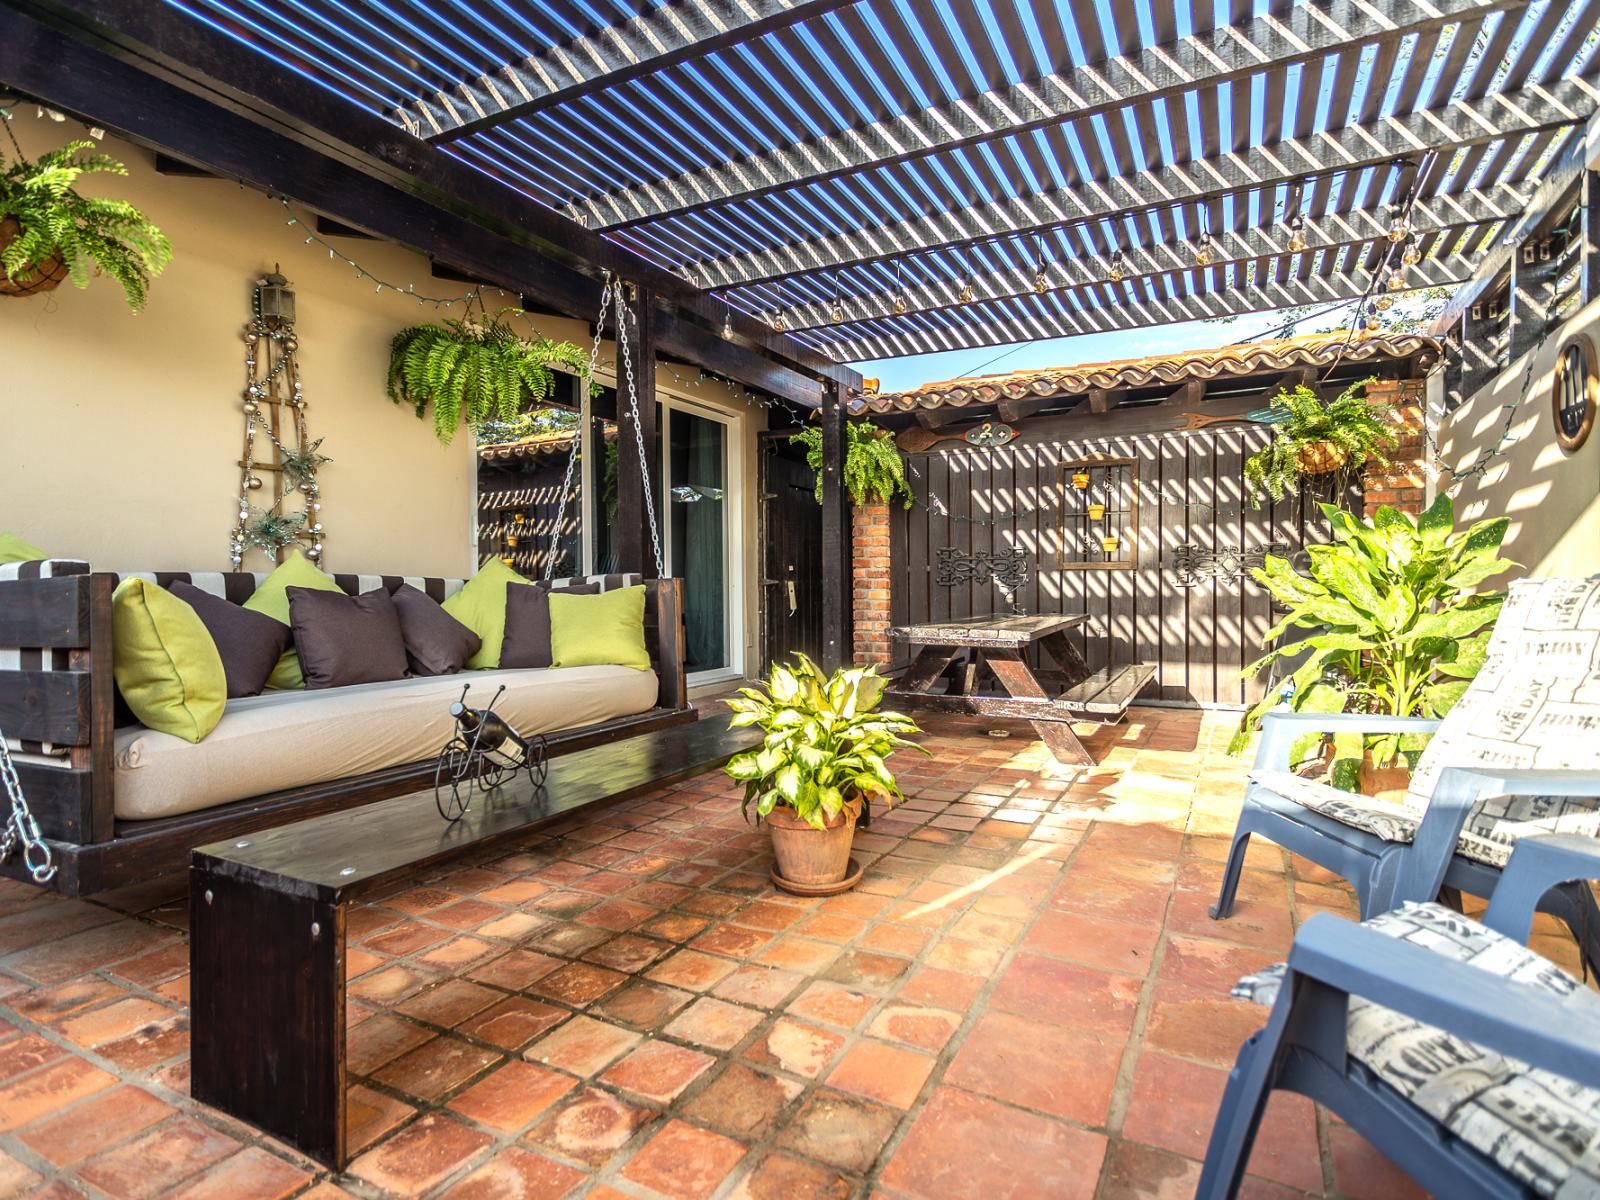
pixel 959 653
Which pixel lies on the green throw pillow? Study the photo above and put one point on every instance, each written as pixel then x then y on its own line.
pixel 166 664
pixel 481 607
pixel 271 599
pixel 14 550
pixel 602 630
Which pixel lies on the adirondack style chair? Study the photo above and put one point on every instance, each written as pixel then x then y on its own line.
pixel 1470 1061
pixel 1534 707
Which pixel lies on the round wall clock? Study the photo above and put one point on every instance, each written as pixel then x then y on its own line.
pixel 1576 394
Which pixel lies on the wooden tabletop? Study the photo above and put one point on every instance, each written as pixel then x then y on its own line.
pixel 1011 631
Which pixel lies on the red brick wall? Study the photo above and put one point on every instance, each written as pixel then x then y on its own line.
pixel 1401 483
pixel 870 549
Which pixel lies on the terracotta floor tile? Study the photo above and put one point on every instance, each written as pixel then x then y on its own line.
pixel 913 1025
pixel 963 1145
pixel 520 1174
pixel 967 958
pixel 392 984
pixel 513 1022
pixel 843 1131
pixel 657 1071
pixel 17 1179
pixel 436 1067
pixel 770 915
pixel 1113 945
pixel 684 1162
pixel 101 1025
pixel 628 953
pixel 421 1156
pixel 1046 1067
pixel 1068 994
pixel 1361 1172
pixel 1200 1023
pixel 796 1047
pixel 940 988
pixel 713 1023
pixel 64 999
pixel 832 1004
pixel 590 1126
pixel 24 1053
pixel 49 1089
pixel 584 1046
pixel 798 954
pixel 866 969
pixel 763 987
pixel 157 1160
pixel 674 926
pixel 579 983
pixel 447 1004
pixel 878 1071
pixel 369 1115
pixel 692 969
pixel 784 1177
pixel 510 1097
pixel 742 1102
pixel 87 1129
pixel 1210 965
pixel 379 1040
pixel 1137 1172
pixel 643 1005
pixel 617 915
pixel 516 971
pixel 251 1174
pixel 734 941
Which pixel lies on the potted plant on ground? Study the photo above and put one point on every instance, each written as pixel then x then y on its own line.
pixel 822 762
pixel 478 370
pixel 49 233
pixel 1313 438
pixel 874 472
pixel 1390 626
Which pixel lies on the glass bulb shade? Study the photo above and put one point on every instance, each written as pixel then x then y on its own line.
pixel 727 327
pixel 1374 323
pixel 836 313
pixel 901 305
pixel 1202 255
pixel 1385 302
pixel 1411 256
pixel 779 321
pixel 1396 281
pixel 966 295
pixel 1399 229
pixel 1041 281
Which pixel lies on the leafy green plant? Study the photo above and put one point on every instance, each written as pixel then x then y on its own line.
pixel 1392 625
pixel 57 225
pixel 874 472
pixel 826 745
pixel 1346 433
pixel 475 370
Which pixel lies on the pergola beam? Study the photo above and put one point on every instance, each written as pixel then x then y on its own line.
pixel 1464 123
pixel 1330 234
pixel 652 41
pixel 1227 54
pixel 1088 311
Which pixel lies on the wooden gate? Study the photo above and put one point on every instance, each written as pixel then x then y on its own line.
pixel 1174 590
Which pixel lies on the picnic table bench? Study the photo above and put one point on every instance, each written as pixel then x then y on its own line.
pixel 267 921
pixel 960 652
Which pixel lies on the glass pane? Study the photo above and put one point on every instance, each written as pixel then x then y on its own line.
pixel 603 448
pixel 697 503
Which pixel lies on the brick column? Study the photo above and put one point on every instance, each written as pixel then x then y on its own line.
pixel 1400 484
pixel 870 583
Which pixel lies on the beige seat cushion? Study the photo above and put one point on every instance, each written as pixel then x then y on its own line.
pixel 284 740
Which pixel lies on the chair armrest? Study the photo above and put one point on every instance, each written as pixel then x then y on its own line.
pixel 1537 865
pixel 1515 1019
pixel 1280 728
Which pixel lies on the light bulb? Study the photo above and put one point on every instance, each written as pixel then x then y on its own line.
pixel 1297 234
pixel 1203 251
pixel 1118 269
pixel 780 321
pixel 727 325
pixel 1041 280
pixel 836 313
pixel 967 294
pixel 901 305
pixel 1411 255
pixel 1385 301
pixel 1396 281
pixel 1399 228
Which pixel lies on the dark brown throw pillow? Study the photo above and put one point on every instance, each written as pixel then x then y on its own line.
pixel 527 641
pixel 346 639
pixel 436 643
pixel 249 643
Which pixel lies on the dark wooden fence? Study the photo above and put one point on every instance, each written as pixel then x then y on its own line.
pixel 1185 602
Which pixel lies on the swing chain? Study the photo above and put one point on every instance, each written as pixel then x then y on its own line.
pixel 21 827
pixel 578 433
pixel 638 431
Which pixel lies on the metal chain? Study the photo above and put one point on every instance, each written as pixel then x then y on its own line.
pixel 638 431
pixel 579 432
pixel 21 827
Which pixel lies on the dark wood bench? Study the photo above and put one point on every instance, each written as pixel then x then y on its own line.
pixel 959 653
pixel 61 691
pixel 267 922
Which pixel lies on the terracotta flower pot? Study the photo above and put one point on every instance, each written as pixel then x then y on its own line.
pixel 46 275
pixel 1320 458
pixel 809 857
pixel 1385 783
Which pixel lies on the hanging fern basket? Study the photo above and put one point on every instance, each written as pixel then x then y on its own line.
pixel 43 276
pixel 1321 458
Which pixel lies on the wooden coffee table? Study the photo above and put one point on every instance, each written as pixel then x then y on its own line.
pixel 961 652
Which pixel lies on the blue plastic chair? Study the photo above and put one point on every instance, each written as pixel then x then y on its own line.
pixel 1304 1046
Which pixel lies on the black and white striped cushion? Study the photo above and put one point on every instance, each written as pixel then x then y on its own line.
pixel 239 586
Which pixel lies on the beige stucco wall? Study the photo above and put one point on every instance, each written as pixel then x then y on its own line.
pixel 1552 497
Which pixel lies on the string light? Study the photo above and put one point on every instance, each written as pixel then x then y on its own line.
pixel 836 311
pixel 1399 227
pixel 1041 270
pixel 1396 282
pixel 1297 234
pixel 780 320
pixel 968 292
pixel 727 320
pixel 1412 254
pixel 1118 268
pixel 379 285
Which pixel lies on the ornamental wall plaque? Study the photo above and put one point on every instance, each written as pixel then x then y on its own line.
pixel 1575 396
pixel 1196 564
pixel 952 567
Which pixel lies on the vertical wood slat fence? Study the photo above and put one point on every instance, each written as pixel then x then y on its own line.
pixel 1190 494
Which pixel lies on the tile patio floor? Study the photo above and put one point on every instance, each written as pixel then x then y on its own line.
pixel 1024 998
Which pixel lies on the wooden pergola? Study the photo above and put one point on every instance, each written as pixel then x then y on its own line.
pixel 793 185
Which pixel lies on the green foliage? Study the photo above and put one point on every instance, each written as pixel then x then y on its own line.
pixel 545 418
pixel 301 466
pixel 81 231
pixel 826 745
pixel 477 371
pixel 1393 626
pixel 874 472
pixel 1361 431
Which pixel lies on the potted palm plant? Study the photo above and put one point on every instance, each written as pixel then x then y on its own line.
pixel 49 233
pixel 1313 438
pixel 822 763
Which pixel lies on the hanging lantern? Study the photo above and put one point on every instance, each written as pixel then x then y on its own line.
pixel 780 321
pixel 275 300
pixel 1385 301
pixel 1374 322
pixel 1117 271
pixel 1297 234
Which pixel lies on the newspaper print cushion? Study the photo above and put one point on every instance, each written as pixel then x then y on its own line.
pixel 1381 818
pixel 1542 1128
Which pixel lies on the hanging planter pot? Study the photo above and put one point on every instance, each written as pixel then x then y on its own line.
pixel 1097 512
pixel 45 276
pixel 1320 458
pixel 1081 481
pixel 1109 544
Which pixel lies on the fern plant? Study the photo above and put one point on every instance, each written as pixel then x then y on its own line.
pixel 56 228
pixel 475 370
pixel 874 472
pixel 1308 436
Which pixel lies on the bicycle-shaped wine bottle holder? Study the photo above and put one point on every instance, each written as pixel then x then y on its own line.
pixel 482 754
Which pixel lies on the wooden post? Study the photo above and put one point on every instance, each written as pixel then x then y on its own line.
pixel 836 576
pixel 1533 288
pixel 634 549
pixel 1590 232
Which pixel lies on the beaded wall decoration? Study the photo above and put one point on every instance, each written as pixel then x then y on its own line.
pixel 276 444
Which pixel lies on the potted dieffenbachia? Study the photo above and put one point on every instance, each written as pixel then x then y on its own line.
pixel 824 759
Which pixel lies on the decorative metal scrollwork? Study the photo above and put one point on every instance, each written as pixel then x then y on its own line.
pixel 1008 568
pixel 1195 564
